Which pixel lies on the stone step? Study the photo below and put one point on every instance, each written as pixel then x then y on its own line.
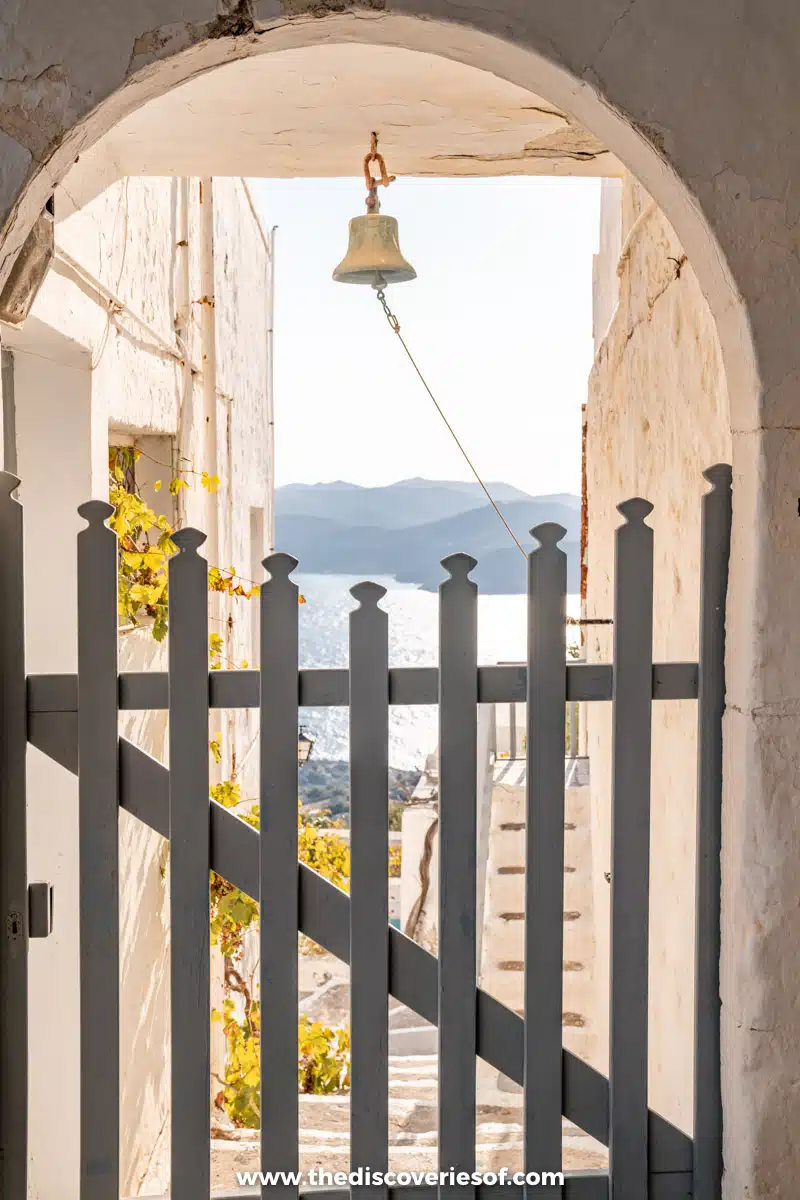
pixel 486 1133
pixel 498 1144
pixel 409 1071
pixel 506 888
pixel 397 1061
pixel 413 1040
pixel 402 1017
pixel 408 1087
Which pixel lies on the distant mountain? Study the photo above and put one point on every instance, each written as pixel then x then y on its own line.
pixel 409 502
pixel 405 530
pixel 337 485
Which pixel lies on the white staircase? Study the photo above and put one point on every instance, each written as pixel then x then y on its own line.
pixel 413 1120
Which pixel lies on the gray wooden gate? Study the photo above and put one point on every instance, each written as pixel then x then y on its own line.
pixel 75 721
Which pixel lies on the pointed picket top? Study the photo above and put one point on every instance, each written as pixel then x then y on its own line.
pixel 459 566
pixel 634 511
pixel 96 512
pixel 719 476
pixel 8 482
pixel 279 566
pixel 549 533
pixel 188 540
pixel 368 594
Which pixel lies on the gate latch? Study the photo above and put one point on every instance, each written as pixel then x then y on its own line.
pixel 40 910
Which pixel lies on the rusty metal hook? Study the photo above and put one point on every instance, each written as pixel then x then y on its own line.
pixel 375 157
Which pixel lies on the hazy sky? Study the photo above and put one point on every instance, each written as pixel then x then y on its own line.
pixel 499 320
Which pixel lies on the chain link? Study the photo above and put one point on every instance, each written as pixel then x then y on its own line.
pixel 390 317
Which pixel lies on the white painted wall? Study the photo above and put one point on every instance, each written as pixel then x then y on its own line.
pixel 53 457
pixel 82 379
pixel 605 280
pixel 657 416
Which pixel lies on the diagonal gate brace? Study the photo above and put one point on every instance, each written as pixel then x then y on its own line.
pixel 324 917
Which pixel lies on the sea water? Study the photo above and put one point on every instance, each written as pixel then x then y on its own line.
pixel 413 642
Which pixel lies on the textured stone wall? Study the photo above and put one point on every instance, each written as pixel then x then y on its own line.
pixel 657 416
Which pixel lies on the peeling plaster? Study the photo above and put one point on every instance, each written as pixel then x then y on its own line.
pixel 573 143
pixel 35 109
pixel 15 162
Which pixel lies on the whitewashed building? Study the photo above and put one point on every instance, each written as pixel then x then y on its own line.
pixel 152 330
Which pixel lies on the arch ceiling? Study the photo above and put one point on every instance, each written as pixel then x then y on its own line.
pixel 309 111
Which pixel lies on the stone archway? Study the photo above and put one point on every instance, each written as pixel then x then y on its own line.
pixel 699 105
pixel 52 116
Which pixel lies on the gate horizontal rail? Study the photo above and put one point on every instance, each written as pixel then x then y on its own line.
pixel 325 687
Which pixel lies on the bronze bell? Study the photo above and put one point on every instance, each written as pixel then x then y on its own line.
pixel 373 253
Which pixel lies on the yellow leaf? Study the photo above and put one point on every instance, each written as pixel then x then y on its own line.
pixel 153 559
pixel 157 486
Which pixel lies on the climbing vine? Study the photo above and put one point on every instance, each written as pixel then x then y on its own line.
pixel 323 1058
pixel 323 1053
pixel 146 545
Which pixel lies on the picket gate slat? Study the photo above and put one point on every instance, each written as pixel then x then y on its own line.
pixel 278 872
pixel 15 726
pixel 458 706
pixel 630 852
pixel 189 867
pixel 715 549
pixel 369 885
pixel 544 859
pixel 98 838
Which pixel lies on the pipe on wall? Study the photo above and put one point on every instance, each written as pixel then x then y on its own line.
pixel 208 342
pixel 270 505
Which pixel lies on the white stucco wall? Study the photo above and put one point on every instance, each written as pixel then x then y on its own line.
pixel 605 281
pixel 657 416
pixel 81 382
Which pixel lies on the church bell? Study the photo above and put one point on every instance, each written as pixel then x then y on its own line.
pixel 373 253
